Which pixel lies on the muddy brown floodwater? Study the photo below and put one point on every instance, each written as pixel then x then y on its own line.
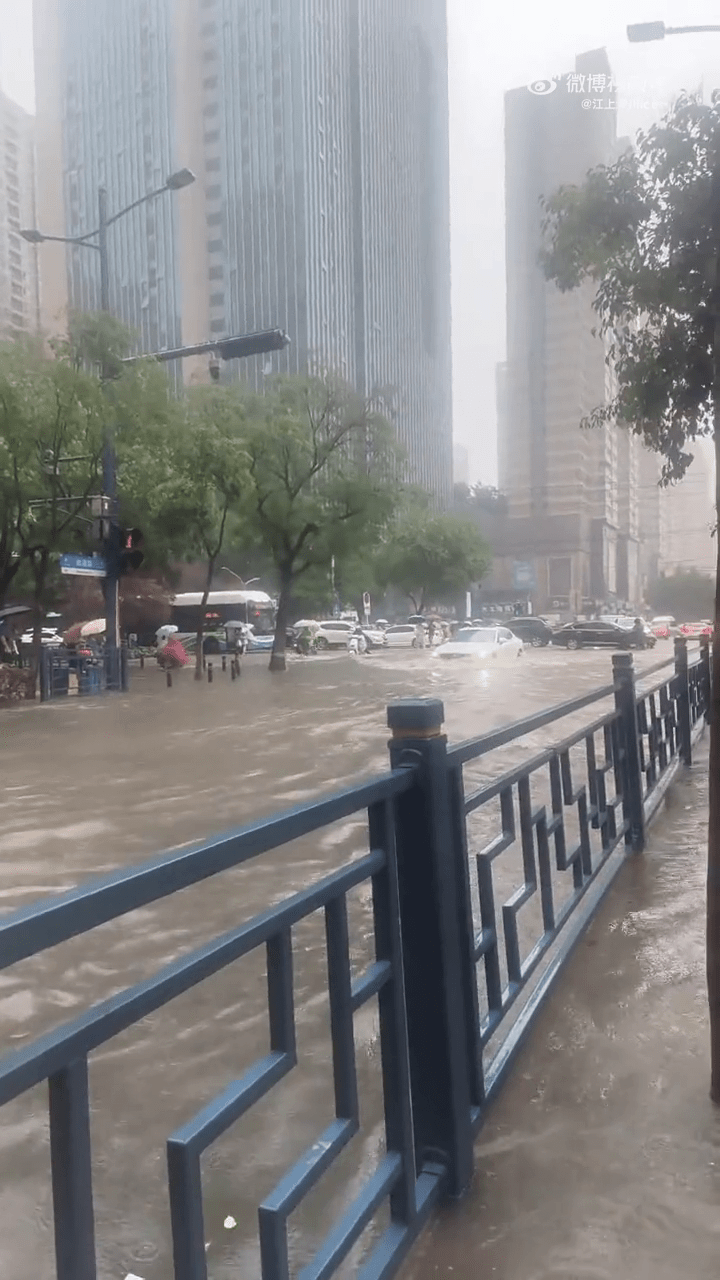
pixel 89 786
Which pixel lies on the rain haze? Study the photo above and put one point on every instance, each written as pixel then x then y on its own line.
pixel 276 1053
pixel 493 49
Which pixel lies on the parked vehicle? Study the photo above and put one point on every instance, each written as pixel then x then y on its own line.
pixel 581 635
pixel 374 635
pixel 532 631
pixel 333 633
pixel 693 630
pixel 403 636
pixel 482 644
pixel 664 627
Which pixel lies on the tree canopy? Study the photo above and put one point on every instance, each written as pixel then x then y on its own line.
pixel 430 555
pixel 645 232
pixel 322 480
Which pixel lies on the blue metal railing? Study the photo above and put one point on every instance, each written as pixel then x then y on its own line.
pixel 64 671
pixel 444 907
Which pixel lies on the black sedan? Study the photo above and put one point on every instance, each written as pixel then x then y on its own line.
pixel 581 635
pixel 533 631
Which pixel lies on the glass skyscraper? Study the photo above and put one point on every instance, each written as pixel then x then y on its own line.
pixel 318 131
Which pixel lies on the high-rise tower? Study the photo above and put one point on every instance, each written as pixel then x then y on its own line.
pixel 318 132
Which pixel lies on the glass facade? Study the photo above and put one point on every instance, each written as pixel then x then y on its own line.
pixel 323 129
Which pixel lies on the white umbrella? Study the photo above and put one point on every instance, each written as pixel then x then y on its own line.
pixel 94 628
pixel 167 630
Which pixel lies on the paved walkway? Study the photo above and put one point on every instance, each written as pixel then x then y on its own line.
pixel 601 1158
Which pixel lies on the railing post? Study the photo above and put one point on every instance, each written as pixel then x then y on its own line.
pixel 706 661
pixel 45 673
pixel 632 787
pixel 124 675
pixel 682 700
pixel 432 938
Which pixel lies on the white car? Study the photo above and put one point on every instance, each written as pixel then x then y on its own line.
pixel 374 634
pixel 482 644
pixel 333 633
pixel 404 636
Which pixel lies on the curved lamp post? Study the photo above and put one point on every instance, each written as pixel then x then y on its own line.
pixel 97 240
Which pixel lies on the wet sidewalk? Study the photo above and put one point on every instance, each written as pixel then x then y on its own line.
pixel 601 1158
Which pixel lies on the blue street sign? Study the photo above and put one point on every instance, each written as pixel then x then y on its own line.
pixel 92 566
pixel 523 576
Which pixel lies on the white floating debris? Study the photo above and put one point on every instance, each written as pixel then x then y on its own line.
pixel 130 1276
pixel 229 1223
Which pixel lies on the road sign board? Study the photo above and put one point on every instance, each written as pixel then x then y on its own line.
pixel 92 566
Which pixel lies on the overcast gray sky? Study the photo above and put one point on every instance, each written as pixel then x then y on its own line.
pixel 494 47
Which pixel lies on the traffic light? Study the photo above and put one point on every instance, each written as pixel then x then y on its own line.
pixel 130 557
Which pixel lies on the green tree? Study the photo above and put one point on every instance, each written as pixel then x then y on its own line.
pixel 193 479
pixel 428 556
pixel 644 233
pixel 322 481
pixel 469 499
pixel 52 417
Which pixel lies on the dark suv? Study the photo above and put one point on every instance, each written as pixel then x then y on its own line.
pixel 534 631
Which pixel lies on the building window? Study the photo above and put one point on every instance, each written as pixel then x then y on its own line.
pixel 208 29
pixel 215 273
pixel 217 299
pixel 214 192
pixel 211 109
pixel 213 164
pixel 210 82
pixel 214 246
pixel 213 135
pixel 214 219
pixel 210 55
pixel 217 326
pixel 560 576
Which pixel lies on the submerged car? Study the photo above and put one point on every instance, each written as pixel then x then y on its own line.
pixel 403 636
pixel 664 627
pixel 482 644
pixel 586 635
pixel 533 631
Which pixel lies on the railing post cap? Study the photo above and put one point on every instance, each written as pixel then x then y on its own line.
pixel 422 717
pixel 623 660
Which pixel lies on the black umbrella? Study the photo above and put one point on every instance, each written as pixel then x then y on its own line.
pixel 10 610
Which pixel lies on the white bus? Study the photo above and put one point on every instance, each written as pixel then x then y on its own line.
pixel 252 607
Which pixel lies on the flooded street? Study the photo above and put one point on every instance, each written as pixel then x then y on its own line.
pixel 601 1158
pixel 92 786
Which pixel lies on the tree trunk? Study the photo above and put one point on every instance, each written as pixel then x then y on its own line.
pixel 713 870
pixel 277 657
pixel 40 569
pixel 201 628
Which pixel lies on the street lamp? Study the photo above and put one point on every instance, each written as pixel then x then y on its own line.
pixel 640 32
pixel 245 583
pixel 97 240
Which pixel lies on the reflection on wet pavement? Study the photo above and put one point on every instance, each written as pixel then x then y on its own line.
pixel 601 1158
pixel 90 786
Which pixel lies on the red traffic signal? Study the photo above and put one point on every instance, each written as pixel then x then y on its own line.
pixel 130 556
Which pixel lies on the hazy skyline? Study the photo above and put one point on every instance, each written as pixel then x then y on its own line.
pixel 493 49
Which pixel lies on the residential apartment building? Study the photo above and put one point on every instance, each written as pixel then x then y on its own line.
pixel 19 303
pixel 318 133
pixel 572 493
